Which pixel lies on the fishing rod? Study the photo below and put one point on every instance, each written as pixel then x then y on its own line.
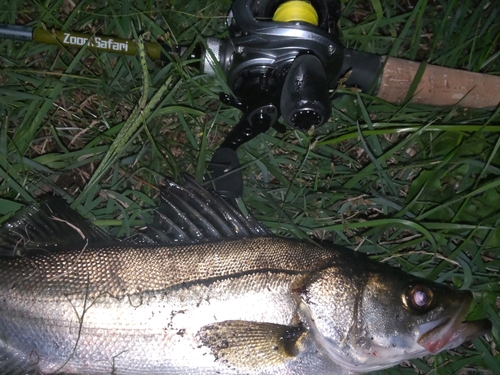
pixel 281 60
pixel 155 51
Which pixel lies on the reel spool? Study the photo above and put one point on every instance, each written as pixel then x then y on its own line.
pixel 296 11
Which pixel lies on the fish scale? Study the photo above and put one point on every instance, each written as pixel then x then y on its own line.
pixel 240 301
pixel 184 303
pixel 121 271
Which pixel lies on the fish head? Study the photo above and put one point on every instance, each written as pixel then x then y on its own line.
pixel 367 320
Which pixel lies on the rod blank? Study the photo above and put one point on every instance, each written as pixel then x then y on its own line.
pixel 94 42
pixel 16 32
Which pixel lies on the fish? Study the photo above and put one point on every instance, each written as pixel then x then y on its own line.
pixel 206 289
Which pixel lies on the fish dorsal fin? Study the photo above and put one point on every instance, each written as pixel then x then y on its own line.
pixel 189 213
pixel 49 226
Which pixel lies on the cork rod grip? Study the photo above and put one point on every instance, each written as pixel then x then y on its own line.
pixel 439 86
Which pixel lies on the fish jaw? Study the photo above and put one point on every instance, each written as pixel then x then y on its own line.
pixel 450 336
pixel 448 333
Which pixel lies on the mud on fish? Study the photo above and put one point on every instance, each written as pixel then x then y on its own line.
pixel 207 290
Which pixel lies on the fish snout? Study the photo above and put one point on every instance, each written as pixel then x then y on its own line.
pixel 450 332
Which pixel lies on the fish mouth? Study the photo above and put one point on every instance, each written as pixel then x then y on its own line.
pixel 448 333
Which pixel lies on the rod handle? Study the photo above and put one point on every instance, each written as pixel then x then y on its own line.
pixel 438 86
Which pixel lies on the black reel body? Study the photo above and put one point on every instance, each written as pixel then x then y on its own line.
pixel 269 64
pixel 281 63
pixel 279 60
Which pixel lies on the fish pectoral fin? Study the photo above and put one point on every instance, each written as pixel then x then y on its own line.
pixel 251 345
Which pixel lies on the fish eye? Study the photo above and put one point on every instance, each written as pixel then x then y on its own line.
pixel 417 297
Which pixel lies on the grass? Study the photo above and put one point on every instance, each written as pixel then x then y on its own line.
pixel 416 186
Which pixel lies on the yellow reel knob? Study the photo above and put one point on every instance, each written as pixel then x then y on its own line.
pixel 296 11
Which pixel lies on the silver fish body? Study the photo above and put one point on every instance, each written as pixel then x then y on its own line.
pixel 109 309
pixel 257 305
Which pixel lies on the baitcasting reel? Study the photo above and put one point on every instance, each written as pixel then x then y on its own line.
pixel 279 60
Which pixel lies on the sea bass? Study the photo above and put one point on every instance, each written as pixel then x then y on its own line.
pixel 207 290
